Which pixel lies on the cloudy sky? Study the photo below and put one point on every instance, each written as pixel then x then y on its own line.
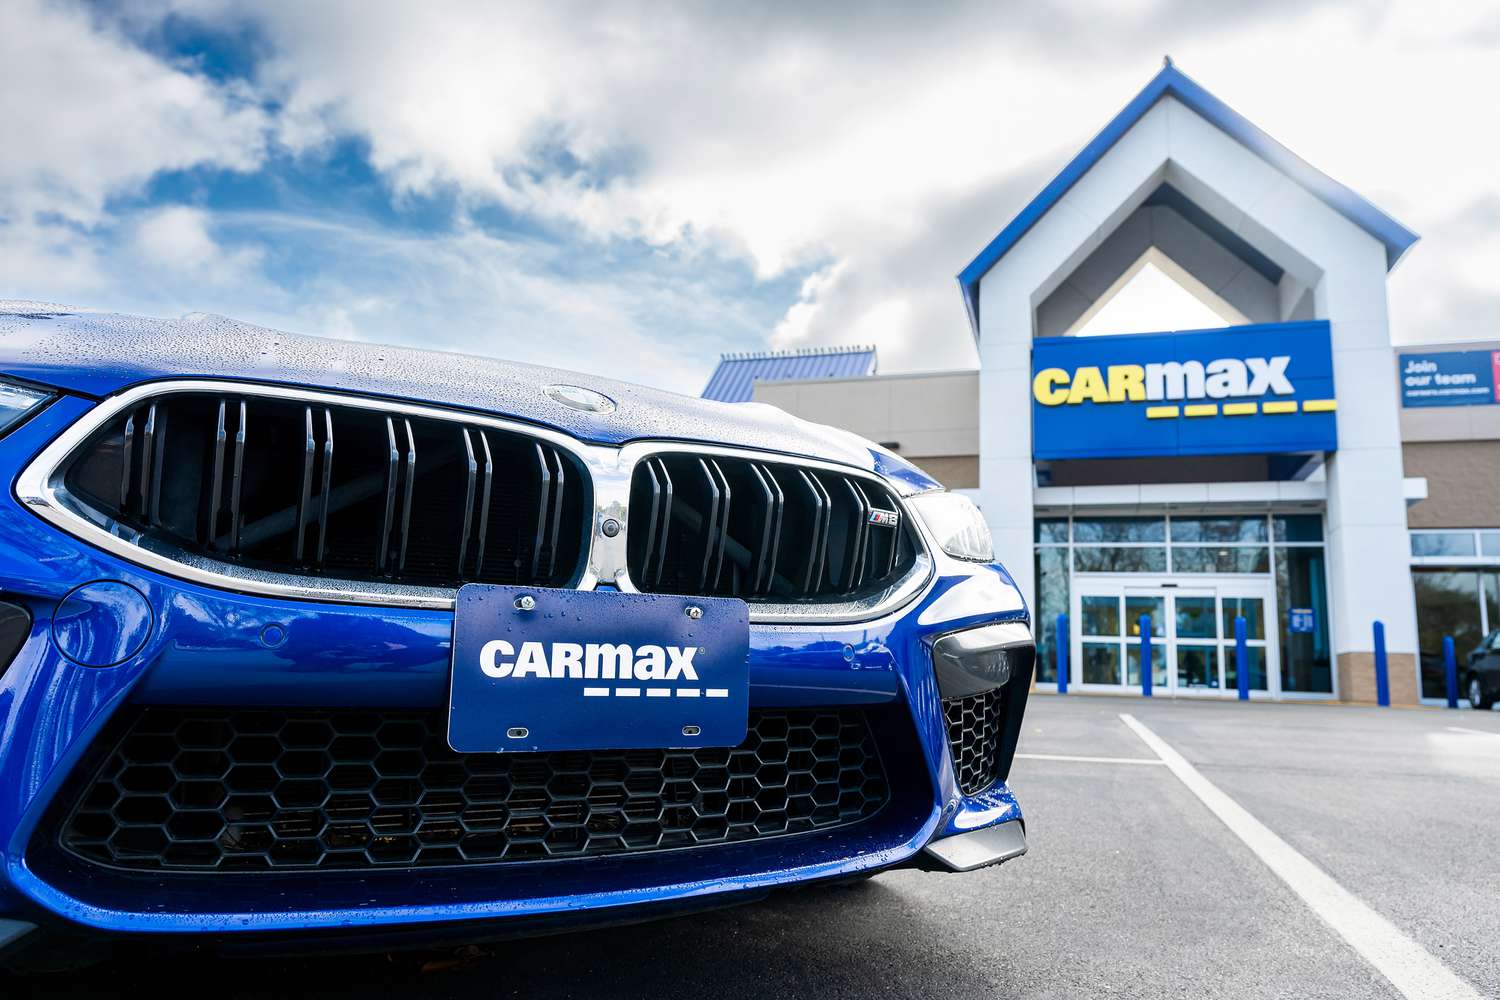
pixel 635 188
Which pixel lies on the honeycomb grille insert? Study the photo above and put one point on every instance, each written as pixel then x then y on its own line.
pixel 974 737
pixel 197 790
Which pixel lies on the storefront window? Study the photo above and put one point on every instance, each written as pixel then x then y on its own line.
pixel 1297 527
pixel 1206 559
pixel 1119 529
pixel 1051 601
pixel 1302 586
pixel 1119 559
pixel 1218 529
pixel 1442 543
pixel 1489 543
pixel 1052 531
pixel 1448 604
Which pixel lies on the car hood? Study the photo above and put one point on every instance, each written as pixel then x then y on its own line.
pixel 100 353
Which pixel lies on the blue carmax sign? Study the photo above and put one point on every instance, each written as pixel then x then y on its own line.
pixel 1450 378
pixel 1247 389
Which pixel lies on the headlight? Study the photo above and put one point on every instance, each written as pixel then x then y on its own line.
pixel 957 525
pixel 16 401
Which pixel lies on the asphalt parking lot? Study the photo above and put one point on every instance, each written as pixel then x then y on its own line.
pixel 1132 888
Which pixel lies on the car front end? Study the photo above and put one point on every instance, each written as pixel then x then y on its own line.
pixel 238 575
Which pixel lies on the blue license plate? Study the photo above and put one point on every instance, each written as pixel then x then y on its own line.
pixel 537 669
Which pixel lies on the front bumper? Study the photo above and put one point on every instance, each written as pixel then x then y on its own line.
pixel 206 647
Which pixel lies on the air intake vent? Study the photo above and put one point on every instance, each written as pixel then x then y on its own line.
pixel 212 790
pixel 340 491
pixel 762 531
pixel 974 724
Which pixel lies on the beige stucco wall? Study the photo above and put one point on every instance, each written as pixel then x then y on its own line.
pixel 1463 482
pixel 932 419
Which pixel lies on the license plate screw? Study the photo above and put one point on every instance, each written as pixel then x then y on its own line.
pixel 610 527
pixel 518 732
pixel 691 731
pixel 694 612
pixel 525 602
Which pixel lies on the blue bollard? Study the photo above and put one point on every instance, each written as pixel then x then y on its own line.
pixel 1145 624
pixel 1382 669
pixel 1064 652
pixel 1450 670
pixel 1242 658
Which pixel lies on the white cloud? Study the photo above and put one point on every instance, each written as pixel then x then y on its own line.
pixel 177 238
pixel 86 115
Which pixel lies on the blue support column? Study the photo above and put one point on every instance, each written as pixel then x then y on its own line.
pixel 1242 658
pixel 1382 669
pixel 1450 670
pixel 1145 624
pixel 1064 653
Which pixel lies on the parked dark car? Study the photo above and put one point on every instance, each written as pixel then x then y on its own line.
pixel 1482 678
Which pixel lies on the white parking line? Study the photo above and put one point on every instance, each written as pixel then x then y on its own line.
pixel 1411 969
pixel 1475 732
pixel 1152 761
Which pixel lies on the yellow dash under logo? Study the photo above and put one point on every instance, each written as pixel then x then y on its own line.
pixel 1279 406
pixel 1200 410
pixel 1157 412
pixel 1319 405
pixel 1240 409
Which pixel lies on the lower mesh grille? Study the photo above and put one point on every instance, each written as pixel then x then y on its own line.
pixel 974 737
pixel 236 791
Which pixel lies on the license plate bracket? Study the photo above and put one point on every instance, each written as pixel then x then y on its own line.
pixel 537 669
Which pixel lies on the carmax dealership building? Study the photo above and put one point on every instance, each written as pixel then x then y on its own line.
pixel 1291 468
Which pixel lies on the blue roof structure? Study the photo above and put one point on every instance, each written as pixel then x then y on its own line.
pixel 734 380
pixel 1172 81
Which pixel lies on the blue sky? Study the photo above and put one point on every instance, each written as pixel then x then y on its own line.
pixel 633 189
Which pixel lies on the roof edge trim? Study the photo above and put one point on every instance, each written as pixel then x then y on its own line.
pixel 1397 238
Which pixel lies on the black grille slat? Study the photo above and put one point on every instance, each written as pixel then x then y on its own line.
pixel 392 477
pixel 127 455
pixel 471 469
pixel 237 480
pixel 148 467
pixel 712 532
pixel 817 556
pixel 544 492
pixel 216 489
pixel 765 552
pixel 327 485
pixel 413 499
pixel 559 488
pixel 304 498
pixel 859 526
pixel 651 562
pixel 484 504
pixel 974 724
pixel 226 791
pixel 762 531
pixel 409 477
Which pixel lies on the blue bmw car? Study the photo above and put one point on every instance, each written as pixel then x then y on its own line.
pixel 304 638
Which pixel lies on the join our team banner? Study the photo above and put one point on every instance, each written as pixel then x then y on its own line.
pixel 1260 389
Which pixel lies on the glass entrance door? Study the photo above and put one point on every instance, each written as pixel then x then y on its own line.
pixel 1194 651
